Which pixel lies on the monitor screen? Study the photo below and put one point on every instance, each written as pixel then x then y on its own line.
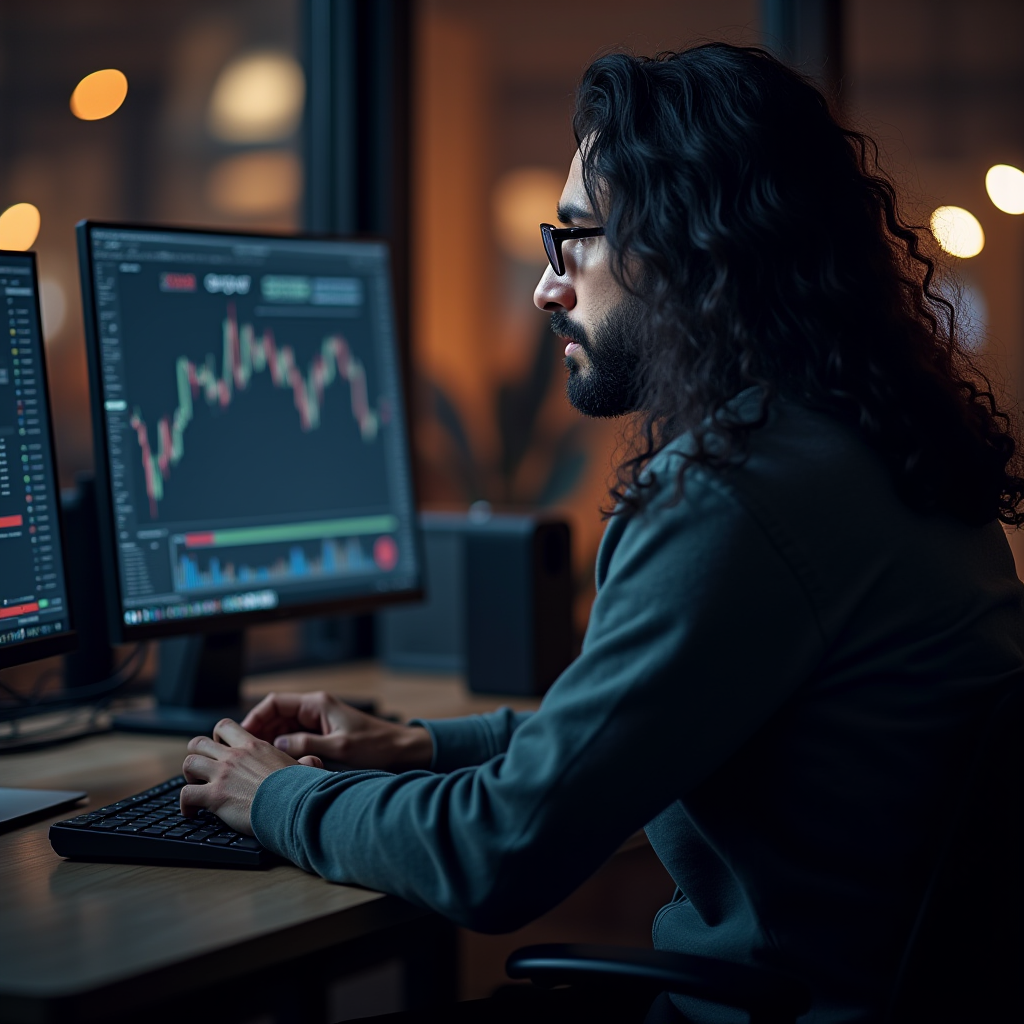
pixel 34 613
pixel 251 435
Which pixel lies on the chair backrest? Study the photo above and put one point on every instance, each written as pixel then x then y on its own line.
pixel 963 962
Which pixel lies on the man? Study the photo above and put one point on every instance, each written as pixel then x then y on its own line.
pixel 806 603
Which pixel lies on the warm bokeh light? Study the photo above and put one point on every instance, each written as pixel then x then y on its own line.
pixel 257 98
pixel 53 306
pixel 99 94
pixel 255 184
pixel 522 199
pixel 958 231
pixel 1005 186
pixel 19 226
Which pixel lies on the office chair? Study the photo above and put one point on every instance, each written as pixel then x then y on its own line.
pixel 962 961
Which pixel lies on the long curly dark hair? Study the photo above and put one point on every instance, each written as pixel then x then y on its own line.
pixel 768 247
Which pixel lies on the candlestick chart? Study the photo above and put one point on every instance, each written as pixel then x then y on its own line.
pixel 245 356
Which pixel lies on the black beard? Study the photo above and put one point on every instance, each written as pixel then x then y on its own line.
pixel 610 386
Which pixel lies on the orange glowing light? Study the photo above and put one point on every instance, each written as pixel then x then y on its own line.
pixel 19 226
pixel 523 198
pixel 257 98
pixel 958 231
pixel 1005 186
pixel 98 95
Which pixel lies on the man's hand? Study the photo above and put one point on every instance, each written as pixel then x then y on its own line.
pixel 317 723
pixel 224 773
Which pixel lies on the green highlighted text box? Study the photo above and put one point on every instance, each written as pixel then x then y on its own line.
pixel 355 527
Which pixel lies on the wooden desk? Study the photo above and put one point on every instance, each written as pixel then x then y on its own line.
pixel 80 941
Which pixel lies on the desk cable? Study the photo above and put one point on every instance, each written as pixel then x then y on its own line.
pixel 85 701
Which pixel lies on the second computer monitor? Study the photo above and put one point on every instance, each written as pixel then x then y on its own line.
pixel 34 613
pixel 252 450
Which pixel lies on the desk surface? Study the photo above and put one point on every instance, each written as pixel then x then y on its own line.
pixel 68 927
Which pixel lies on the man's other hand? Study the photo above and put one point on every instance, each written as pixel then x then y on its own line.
pixel 317 723
pixel 223 773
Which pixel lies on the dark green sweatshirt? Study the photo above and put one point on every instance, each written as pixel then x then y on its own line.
pixel 780 679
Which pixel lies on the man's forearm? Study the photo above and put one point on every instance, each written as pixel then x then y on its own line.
pixel 470 740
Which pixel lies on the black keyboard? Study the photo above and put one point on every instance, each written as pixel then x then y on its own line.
pixel 149 827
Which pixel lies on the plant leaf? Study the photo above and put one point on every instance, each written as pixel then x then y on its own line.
pixel 570 460
pixel 519 404
pixel 448 417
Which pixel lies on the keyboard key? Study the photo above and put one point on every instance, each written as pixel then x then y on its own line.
pixel 155 831
pixel 178 833
pixel 201 834
pixel 246 843
pixel 221 840
pixel 103 826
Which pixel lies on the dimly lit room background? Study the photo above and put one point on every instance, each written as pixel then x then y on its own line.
pixel 210 133
pixel 201 115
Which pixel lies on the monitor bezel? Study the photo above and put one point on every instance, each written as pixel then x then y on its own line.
pixel 44 646
pixel 127 633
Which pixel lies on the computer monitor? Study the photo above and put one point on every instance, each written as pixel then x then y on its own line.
pixel 35 614
pixel 252 453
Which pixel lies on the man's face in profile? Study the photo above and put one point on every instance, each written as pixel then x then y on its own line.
pixel 599 321
pixel 602 364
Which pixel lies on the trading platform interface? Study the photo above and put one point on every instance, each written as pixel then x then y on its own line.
pixel 253 422
pixel 33 593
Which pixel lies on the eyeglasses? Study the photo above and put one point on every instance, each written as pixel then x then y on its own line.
pixel 554 237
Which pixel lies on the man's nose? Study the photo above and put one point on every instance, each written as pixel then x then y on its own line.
pixel 554 292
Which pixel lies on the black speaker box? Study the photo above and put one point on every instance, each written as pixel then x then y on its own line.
pixel 498 607
pixel 93 660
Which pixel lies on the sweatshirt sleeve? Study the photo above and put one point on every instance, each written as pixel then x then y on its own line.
pixel 699 633
pixel 472 739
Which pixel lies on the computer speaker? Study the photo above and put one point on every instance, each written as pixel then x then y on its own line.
pixel 498 606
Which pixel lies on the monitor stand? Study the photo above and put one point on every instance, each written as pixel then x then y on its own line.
pixel 93 660
pixel 197 685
